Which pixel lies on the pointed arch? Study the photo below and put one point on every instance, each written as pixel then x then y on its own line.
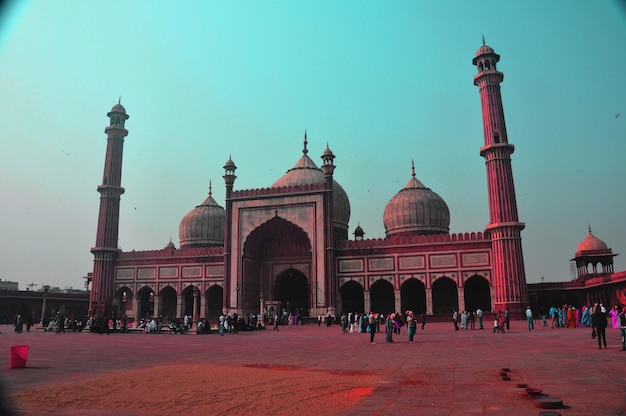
pixel 352 299
pixel 413 296
pixel 445 296
pixel 477 293
pixel 382 297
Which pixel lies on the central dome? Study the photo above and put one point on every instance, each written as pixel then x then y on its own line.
pixel 306 172
pixel 416 210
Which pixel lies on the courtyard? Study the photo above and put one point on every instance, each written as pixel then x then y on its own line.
pixel 315 371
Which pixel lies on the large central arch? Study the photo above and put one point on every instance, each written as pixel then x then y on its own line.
pixel 276 245
pixel 291 289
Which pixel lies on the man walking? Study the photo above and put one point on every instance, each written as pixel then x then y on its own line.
pixel 479 315
pixel 529 319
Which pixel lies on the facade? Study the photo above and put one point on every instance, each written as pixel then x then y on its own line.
pixel 287 246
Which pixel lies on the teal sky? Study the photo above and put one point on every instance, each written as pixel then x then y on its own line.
pixel 380 82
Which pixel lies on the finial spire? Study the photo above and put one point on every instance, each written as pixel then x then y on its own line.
pixel 210 188
pixel 305 150
pixel 412 167
pixel 589 226
pixel 119 101
pixel 483 39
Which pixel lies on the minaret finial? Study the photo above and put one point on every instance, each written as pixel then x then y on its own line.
pixel 119 101
pixel 412 167
pixel 589 226
pixel 483 39
pixel 305 150
pixel 210 188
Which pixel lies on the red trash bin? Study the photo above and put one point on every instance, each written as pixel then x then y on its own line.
pixel 19 354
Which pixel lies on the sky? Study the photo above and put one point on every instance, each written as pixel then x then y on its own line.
pixel 380 83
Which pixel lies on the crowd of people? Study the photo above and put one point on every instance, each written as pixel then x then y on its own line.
pixel 596 317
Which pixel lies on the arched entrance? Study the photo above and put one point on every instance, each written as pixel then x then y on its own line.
pixel 292 290
pixel 272 246
pixel 477 294
pixel 413 296
pixel 352 297
pixel 124 298
pixel 445 296
pixel 168 302
pixel 215 301
pixel 145 297
pixel 381 297
pixel 188 302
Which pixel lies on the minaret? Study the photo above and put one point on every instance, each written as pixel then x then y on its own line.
pixel 330 283
pixel 504 228
pixel 229 180
pixel 106 250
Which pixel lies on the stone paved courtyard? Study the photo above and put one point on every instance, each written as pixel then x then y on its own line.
pixel 443 373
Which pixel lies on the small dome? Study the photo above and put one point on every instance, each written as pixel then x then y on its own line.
pixel 327 152
pixel 306 172
pixel 170 246
pixel 203 226
pixel 229 163
pixel 358 232
pixel 118 108
pixel 416 210
pixel 485 50
pixel 591 243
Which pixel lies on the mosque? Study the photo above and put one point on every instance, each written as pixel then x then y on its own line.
pixel 288 246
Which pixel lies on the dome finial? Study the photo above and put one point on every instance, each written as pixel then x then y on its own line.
pixel 483 39
pixel 589 227
pixel 119 101
pixel 412 167
pixel 305 150
pixel 210 188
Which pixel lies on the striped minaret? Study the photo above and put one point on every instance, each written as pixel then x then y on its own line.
pixel 504 228
pixel 106 250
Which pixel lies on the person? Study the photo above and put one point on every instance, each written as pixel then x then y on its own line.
pixel 496 324
pixel 501 321
pixel 222 321
pixel 479 315
pixel 398 323
pixel 411 325
pixel 423 320
pixel 276 322
pixel 585 319
pixel 344 323
pixel 19 323
pixel 464 320
pixel 529 319
pixel 507 319
pixel 592 313
pixel 471 316
pixel 614 312
pixel 390 327
pixel 455 319
pixel 371 325
pixel 235 325
pixel 601 323
pixel 622 326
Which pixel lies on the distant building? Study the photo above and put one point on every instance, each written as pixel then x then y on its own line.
pixel 7 285
pixel 596 280
pixel 287 247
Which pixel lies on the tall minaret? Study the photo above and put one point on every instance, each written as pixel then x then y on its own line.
pixel 229 180
pixel 330 282
pixel 106 250
pixel 504 228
